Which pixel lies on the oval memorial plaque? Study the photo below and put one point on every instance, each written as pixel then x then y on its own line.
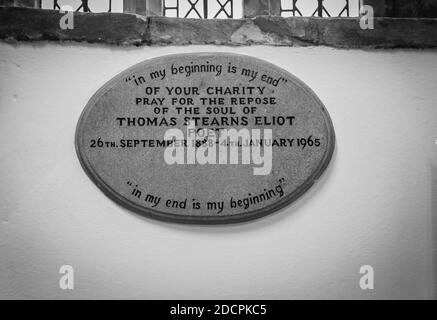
pixel 204 138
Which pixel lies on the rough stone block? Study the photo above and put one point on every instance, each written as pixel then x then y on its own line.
pixel 26 24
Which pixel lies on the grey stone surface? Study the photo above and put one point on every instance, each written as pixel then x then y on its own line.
pixel 119 134
pixel 25 24
pixel 35 24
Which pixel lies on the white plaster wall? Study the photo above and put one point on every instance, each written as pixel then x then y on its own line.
pixel 376 204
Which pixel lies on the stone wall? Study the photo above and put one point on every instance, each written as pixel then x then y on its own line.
pixel 376 204
pixel 23 24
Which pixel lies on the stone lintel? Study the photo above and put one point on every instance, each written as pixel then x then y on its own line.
pixel 24 24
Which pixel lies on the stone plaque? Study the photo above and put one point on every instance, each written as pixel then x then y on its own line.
pixel 204 138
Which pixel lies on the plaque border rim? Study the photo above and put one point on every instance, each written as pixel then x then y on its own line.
pixel 206 220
